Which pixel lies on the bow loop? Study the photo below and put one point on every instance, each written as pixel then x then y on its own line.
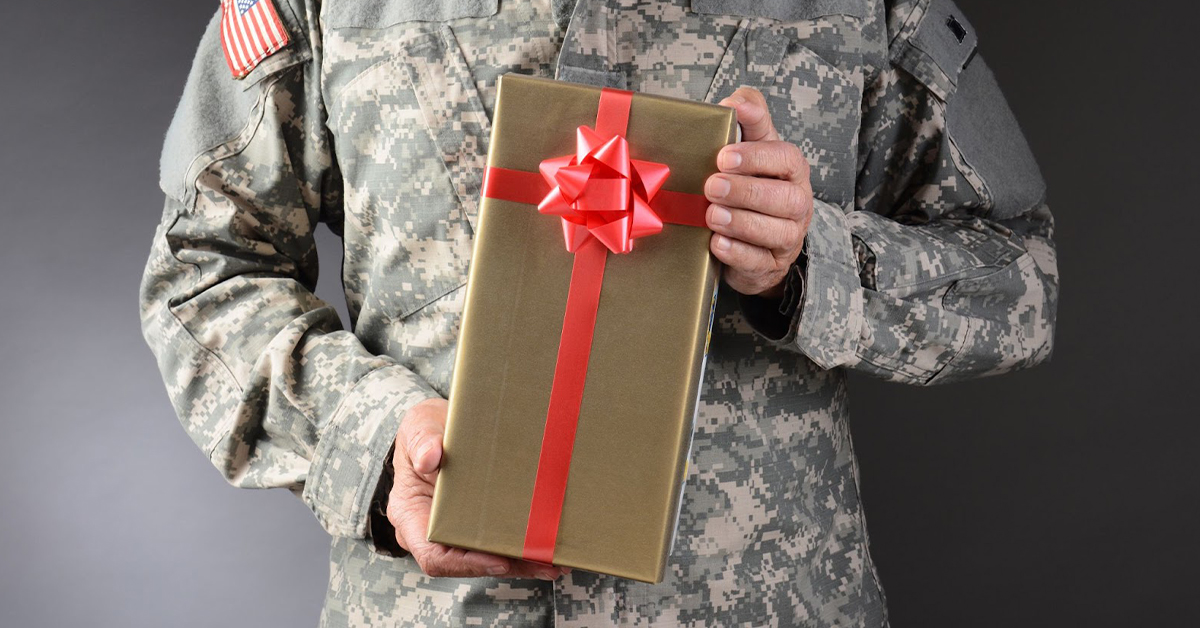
pixel 600 192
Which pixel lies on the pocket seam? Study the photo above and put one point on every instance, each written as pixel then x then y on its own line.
pixel 453 55
pixel 407 45
pixel 402 315
pixel 235 145
pixel 1018 263
pixel 985 268
pixel 811 55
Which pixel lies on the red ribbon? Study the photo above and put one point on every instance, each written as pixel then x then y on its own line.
pixel 606 200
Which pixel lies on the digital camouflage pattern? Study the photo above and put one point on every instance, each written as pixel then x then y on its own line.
pixel 929 260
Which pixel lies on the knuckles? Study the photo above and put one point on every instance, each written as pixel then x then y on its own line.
pixel 764 192
pixel 796 200
pixel 393 512
pixel 776 156
pixel 762 113
pixel 428 409
pixel 412 442
pixel 751 94
pixel 752 192
pixel 797 163
pixel 756 223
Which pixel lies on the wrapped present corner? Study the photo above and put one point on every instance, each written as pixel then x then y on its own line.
pixel 585 329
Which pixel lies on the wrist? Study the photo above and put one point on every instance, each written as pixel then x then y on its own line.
pixel 774 317
pixel 776 292
pixel 380 529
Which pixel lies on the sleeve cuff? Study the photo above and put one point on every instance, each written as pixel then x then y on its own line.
pixel 828 320
pixel 353 448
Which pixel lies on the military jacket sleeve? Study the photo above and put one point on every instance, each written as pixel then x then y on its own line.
pixel 945 268
pixel 260 371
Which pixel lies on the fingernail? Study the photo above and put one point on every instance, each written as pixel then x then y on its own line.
pixel 545 575
pixel 730 159
pixel 720 216
pixel 565 570
pixel 717 187
pixel 737 100
pixel 496 570
pixel 723 243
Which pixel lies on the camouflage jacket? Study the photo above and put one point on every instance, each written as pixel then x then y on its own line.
pixel 929 260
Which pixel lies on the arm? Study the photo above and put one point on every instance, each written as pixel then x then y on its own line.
pixel 260 372
pixel 262 375
pixel 947 268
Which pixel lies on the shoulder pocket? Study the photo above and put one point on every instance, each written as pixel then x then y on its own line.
pixel 986 134
pixel 385 13
pixel 938 46
pixel 216 108
pixel 935 45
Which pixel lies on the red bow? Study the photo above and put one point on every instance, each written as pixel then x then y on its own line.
pixel 599 191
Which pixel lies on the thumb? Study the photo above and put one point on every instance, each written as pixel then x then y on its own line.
pixel 752 114
pixel 421 433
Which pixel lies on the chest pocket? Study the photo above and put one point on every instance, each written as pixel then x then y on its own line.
pixel 804 57
pixel 411 141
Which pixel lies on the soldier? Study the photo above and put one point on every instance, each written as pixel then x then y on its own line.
pixel 884 215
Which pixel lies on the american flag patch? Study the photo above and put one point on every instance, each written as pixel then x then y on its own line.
pixel 250 32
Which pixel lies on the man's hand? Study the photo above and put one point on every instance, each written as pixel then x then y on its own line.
pixel 761 201
pixel 416 461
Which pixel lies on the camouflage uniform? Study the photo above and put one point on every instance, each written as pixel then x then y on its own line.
pixel 929 260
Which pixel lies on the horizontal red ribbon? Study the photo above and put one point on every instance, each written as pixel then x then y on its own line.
pixel 518 186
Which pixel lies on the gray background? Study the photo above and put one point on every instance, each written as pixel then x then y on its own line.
pixel 1065 495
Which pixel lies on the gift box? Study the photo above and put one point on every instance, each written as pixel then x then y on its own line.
pixel 588 308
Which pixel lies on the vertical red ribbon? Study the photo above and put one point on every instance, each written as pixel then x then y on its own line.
pixel 570 369
pixel 566 394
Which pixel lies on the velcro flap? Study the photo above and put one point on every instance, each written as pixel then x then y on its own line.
pixel 938 49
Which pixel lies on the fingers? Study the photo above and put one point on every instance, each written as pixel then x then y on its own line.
pixel 778 159
pixel 408 510
pixel 410 517
pixel 782 199
pixel 751 227
pixel 420 436
pixel 418 455
pixel 441 561
pixel 527 569
pixel 752 114
pixel 749 269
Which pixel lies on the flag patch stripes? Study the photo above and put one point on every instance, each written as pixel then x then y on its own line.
pixel 250 32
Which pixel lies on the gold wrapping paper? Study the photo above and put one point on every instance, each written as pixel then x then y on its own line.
pixel 644 375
